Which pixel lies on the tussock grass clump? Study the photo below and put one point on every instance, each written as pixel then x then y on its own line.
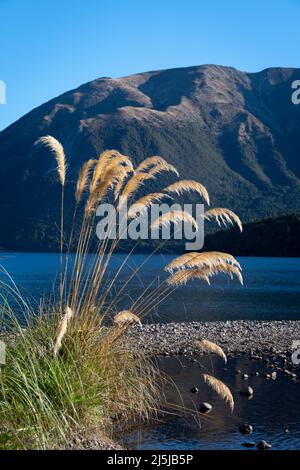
pixel 71 370
pixel 49 395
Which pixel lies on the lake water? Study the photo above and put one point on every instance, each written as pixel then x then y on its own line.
pixel 271 288
pixel 271 291
pixel 275 407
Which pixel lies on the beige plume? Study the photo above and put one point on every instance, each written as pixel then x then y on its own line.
pixel 132 185
pixel 126 317
pixel 103 161
pixel 210 347
pixel 174 217
pixel 145 202
pixel 204 273
pixel 83 177
pixel 62 329
pixel 155 161
pixel 58 151
pixel 220 388
pixel 224 216
pixel 188 185
pixel 206 258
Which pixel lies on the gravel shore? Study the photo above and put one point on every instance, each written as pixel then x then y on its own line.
pixel 237 337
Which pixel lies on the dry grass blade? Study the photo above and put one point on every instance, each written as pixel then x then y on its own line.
pixel 57 150
pixel 83 177
pixel 62 329
pixel 187 186
pixel 220 388
pixel 126 317
pixel 224 216
pixel 210 347
pixel 145 202
pixel 174 217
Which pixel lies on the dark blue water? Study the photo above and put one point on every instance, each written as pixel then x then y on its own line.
pixel 275 407
pixel 271 288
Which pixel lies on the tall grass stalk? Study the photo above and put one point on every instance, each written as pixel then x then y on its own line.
pixel 71 370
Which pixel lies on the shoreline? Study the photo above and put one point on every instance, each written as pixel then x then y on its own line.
pixel 253 339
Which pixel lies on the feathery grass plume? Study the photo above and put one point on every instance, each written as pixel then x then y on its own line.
pixel 182 277
pixel 163 167
pixel 174 217
pixel 223 215
pixel 105 183
pixel 57 150
pixel 145 202
pixel 220 388
pixel 103 161
pixel 232 271
pixel 126 317
pixel 83 177
pixel 132 185
pixel 206 258
pixel 121 161
pixel 188 185
pixel 153 162
pixel 210 347
pixel 205 273
pixel 62 329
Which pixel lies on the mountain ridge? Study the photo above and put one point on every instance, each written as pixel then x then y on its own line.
pixel 236 132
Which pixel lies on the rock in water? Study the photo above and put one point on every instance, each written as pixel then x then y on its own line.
pixel 245 376
pixel 247 392
pixel 248 444
pixel 205 408
pixel 194 390
pixel 263 445
pixel 246 429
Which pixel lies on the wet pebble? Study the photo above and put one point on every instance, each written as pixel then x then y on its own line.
pixel 248 444
pixel 194 390
pixel 263 445
pixel 205 408
pixel 247 392
pixel 246 429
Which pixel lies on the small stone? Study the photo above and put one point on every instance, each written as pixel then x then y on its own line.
pixel 267 376
pixel 274 375
pixel 248 444
pixel 247 392
pixel 205 408
pixel 238 371
pixel 194 390
pixel 286 430
pixel 245 376
pixel 256 374
pixel 246 429
pixel 263 445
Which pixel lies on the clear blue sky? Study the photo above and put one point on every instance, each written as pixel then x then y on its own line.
pixel 50 46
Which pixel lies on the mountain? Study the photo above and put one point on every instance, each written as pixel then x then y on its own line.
pixel 236 132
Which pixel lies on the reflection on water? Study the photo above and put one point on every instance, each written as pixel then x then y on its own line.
pixel 271 289
pixel 274 407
